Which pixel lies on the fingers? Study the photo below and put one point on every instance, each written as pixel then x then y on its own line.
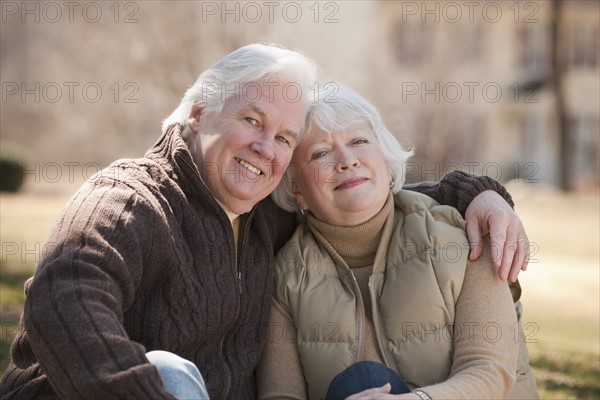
pixel 474 238
pixel 527 257
pixel 476 217
pixel 498 235
pixel 510 250
pixel 521 258
pixel 371 394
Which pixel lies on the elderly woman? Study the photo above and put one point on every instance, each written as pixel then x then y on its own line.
pixel 379 275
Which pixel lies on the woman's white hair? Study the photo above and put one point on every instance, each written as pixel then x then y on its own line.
pixel 342 109
pixel 249 64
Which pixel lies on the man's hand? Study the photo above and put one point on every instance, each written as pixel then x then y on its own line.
pixel 490 213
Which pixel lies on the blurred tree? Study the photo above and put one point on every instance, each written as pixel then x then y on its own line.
pixel 557 82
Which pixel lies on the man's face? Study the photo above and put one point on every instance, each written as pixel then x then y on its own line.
pixel 243 150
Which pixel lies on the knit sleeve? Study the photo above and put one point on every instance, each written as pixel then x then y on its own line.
pixel 486 340
pixel 458 189
pixel 279 374
pixel 281 223
pixel 91 267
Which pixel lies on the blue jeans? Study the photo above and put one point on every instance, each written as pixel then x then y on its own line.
pixel 362 376
pixel 180 377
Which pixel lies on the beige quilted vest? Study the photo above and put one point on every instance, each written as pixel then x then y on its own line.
pixel 323 298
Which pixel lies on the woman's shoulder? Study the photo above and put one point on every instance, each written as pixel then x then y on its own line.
pixel 409 202
pixel 300 252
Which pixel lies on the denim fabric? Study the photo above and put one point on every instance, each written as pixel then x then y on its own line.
pixel 180 377
pixel 362 376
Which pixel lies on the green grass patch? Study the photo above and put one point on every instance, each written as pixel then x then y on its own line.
pixel 9 325
pixel 11 290
pixel 560 298
pixel 562 375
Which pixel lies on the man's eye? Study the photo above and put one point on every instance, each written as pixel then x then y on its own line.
pixel 282 139
pixel 251 121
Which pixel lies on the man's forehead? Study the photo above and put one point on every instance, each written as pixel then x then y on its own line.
pixel 263 96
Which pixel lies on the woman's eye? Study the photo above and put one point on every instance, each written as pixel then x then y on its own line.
pixel 318 154
pixel 360 141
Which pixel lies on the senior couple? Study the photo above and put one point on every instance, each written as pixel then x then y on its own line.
pixel 167 276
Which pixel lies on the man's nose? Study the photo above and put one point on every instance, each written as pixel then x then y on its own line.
pixel 264 146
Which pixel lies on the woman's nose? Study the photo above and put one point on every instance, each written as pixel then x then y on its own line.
pixel 347 160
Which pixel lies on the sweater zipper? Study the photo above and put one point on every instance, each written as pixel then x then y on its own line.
pixel 241 248
pixel 229 376
pixel 243 234
pixel 229 379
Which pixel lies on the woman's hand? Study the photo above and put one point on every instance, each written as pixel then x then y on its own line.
pixel 490 213
pixel 381 393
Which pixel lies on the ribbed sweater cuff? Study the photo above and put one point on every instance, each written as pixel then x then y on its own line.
pixel 458 189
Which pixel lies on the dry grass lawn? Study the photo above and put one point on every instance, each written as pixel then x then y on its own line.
pixel 560 289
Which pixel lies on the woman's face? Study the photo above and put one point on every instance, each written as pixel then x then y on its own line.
pixel 341 176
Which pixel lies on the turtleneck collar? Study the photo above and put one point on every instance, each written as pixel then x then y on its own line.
pixel 357 245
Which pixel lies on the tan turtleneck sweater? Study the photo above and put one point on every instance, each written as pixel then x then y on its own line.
pixel 363 247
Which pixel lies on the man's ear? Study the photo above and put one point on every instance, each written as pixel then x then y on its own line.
pixel 193 120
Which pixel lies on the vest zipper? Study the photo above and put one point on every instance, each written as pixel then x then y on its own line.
pixel 382 349
pixel 360 354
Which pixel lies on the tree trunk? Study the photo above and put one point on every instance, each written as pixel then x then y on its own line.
pixel 558 67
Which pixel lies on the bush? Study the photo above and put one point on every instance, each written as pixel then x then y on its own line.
pixel 11 175
pixel 13 158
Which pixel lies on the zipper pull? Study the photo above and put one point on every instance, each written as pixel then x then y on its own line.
pixel 240 281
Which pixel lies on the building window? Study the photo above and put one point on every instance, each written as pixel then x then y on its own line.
pixel 535 51
pixel 532 132
pixel 583 151
pixel 469 42
pixel 584 46
pixel 468 138
pixel 410 41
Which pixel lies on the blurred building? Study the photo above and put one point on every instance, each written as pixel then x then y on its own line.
pixel 533 68
pixel 480 86
pixel 506 89
pixel 578 63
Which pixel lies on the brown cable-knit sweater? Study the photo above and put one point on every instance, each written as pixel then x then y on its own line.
pixel 142 258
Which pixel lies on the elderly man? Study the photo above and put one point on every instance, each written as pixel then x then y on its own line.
pixel 156 279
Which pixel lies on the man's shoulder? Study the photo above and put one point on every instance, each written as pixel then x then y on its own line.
pixel 281 223
pixel 130 170
pixel 128 174
pixel 123 183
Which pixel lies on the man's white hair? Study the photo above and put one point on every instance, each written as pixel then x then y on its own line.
pixel 249 64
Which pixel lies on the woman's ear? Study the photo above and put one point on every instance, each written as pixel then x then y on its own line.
pixel 299 197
